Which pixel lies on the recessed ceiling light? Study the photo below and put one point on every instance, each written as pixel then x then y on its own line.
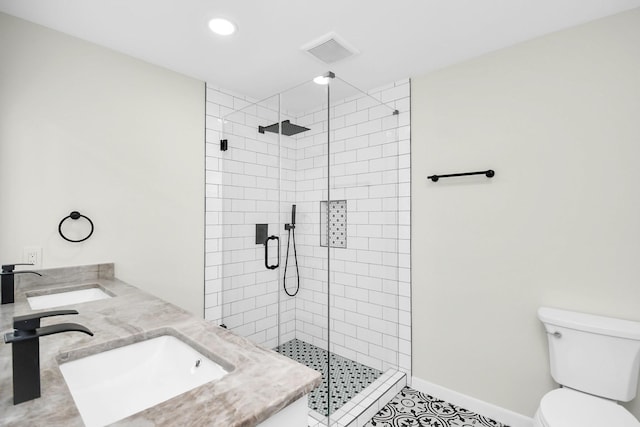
pixel 325 78
pixel 222 26
pixel 321 80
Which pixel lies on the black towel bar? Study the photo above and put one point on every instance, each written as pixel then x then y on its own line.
pixel 488 173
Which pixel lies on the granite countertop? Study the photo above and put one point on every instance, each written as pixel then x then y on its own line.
pixel 261 383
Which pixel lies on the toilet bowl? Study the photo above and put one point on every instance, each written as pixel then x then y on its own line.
pixel 564 407
pixel 596 361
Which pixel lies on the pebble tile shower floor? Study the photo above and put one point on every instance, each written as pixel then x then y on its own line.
pixel 348 377
pixel 411 408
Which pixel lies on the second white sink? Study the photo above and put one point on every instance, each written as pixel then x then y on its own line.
pixel 66 297
pixel 112 385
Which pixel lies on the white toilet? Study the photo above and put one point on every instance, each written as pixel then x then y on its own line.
pixel 595 359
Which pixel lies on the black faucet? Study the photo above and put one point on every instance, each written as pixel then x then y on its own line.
pixel 8 282
pixel 26 350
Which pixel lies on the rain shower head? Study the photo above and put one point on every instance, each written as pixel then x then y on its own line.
pixel 288 128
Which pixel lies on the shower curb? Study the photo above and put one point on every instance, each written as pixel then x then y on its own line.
pixel 366 404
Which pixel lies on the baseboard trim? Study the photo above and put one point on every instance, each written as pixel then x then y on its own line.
pixel 481 407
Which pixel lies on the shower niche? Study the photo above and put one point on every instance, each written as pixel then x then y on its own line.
pixel 333 223
pixel 295 162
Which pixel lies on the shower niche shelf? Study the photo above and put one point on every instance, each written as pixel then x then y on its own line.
pixel 336 216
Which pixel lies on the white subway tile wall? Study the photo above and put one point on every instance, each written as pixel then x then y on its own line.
pixel 370 278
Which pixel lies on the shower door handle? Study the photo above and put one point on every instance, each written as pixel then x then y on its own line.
pixel 266 252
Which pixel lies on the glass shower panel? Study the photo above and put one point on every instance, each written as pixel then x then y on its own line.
pixel 362 236
pixel 250 193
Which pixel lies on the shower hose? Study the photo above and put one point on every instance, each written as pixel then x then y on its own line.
pixel 292 233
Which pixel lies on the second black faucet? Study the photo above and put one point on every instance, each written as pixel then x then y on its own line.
pixel 8 283
pixel 26 350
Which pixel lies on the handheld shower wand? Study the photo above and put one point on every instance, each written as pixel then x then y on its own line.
pixel 291 229
pixel 292 224
pixel 293 215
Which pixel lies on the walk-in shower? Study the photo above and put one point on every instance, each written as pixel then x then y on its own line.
pixel 321 170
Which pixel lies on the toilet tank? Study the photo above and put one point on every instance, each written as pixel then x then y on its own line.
pixel 593 354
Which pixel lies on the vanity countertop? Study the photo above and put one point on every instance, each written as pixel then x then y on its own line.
pixel 261 383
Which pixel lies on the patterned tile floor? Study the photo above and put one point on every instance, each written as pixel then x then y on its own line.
pixel 411 408
pixel 347 377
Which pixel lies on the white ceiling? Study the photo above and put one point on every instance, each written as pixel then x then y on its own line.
pixel 396 39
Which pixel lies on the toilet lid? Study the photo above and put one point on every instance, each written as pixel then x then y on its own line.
pixel 569 408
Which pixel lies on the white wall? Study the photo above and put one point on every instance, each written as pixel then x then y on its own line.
pixel 122 141
pixel 559 225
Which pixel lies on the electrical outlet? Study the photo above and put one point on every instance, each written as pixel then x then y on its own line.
pixel 33 255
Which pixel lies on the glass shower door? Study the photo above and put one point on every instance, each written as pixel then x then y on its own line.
pixel 273 175
pixel 304 301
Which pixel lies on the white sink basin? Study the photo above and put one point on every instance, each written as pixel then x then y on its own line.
pixel 112 385
pixel 66 297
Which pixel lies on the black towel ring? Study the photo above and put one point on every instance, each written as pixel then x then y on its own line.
pixel 75 215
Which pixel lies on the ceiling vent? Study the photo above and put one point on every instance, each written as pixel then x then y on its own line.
pixel 330 48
